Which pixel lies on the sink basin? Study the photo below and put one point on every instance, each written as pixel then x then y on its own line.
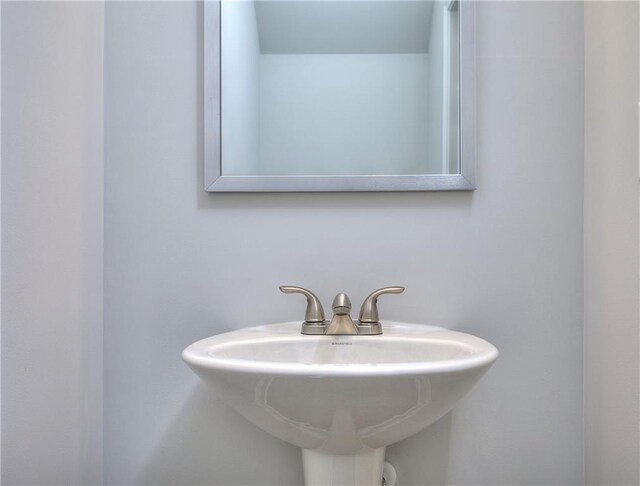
pixel 342 399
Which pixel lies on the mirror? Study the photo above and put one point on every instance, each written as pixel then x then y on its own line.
pixel 338 95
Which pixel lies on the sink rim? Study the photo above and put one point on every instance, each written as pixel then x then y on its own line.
pixel 198 355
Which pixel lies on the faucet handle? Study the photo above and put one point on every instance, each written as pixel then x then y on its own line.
pixel 314 312
pixel 369 309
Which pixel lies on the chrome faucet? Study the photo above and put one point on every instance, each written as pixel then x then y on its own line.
pixel 341 322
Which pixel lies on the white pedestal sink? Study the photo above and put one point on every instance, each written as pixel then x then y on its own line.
pixel 342 399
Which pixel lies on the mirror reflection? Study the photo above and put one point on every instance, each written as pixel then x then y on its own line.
pixel 354 87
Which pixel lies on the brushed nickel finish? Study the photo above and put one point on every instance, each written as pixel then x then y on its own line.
pixel 314 315
pixel 369 320
pixel 341 323
pixel 369 329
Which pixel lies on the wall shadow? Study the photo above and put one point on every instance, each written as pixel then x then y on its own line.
pixel 423 459
pixel 184 455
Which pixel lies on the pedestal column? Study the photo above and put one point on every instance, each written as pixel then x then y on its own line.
pixel 324 469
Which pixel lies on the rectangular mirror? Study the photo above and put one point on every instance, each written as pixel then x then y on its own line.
pixel 339 95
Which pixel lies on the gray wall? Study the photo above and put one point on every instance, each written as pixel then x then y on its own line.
pixel 504 262
pixel 52 240
pixel 612 309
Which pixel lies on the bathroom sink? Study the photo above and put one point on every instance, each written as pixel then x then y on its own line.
pixel 341 398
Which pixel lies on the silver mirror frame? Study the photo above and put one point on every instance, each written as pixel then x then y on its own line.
pixel 214 181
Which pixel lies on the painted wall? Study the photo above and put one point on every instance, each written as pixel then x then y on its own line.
pixel 326 114
pixel 504 262
pixel 240 89
pixel 52 241
pixel 612 309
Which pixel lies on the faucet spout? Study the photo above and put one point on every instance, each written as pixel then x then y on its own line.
pixel 341 323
